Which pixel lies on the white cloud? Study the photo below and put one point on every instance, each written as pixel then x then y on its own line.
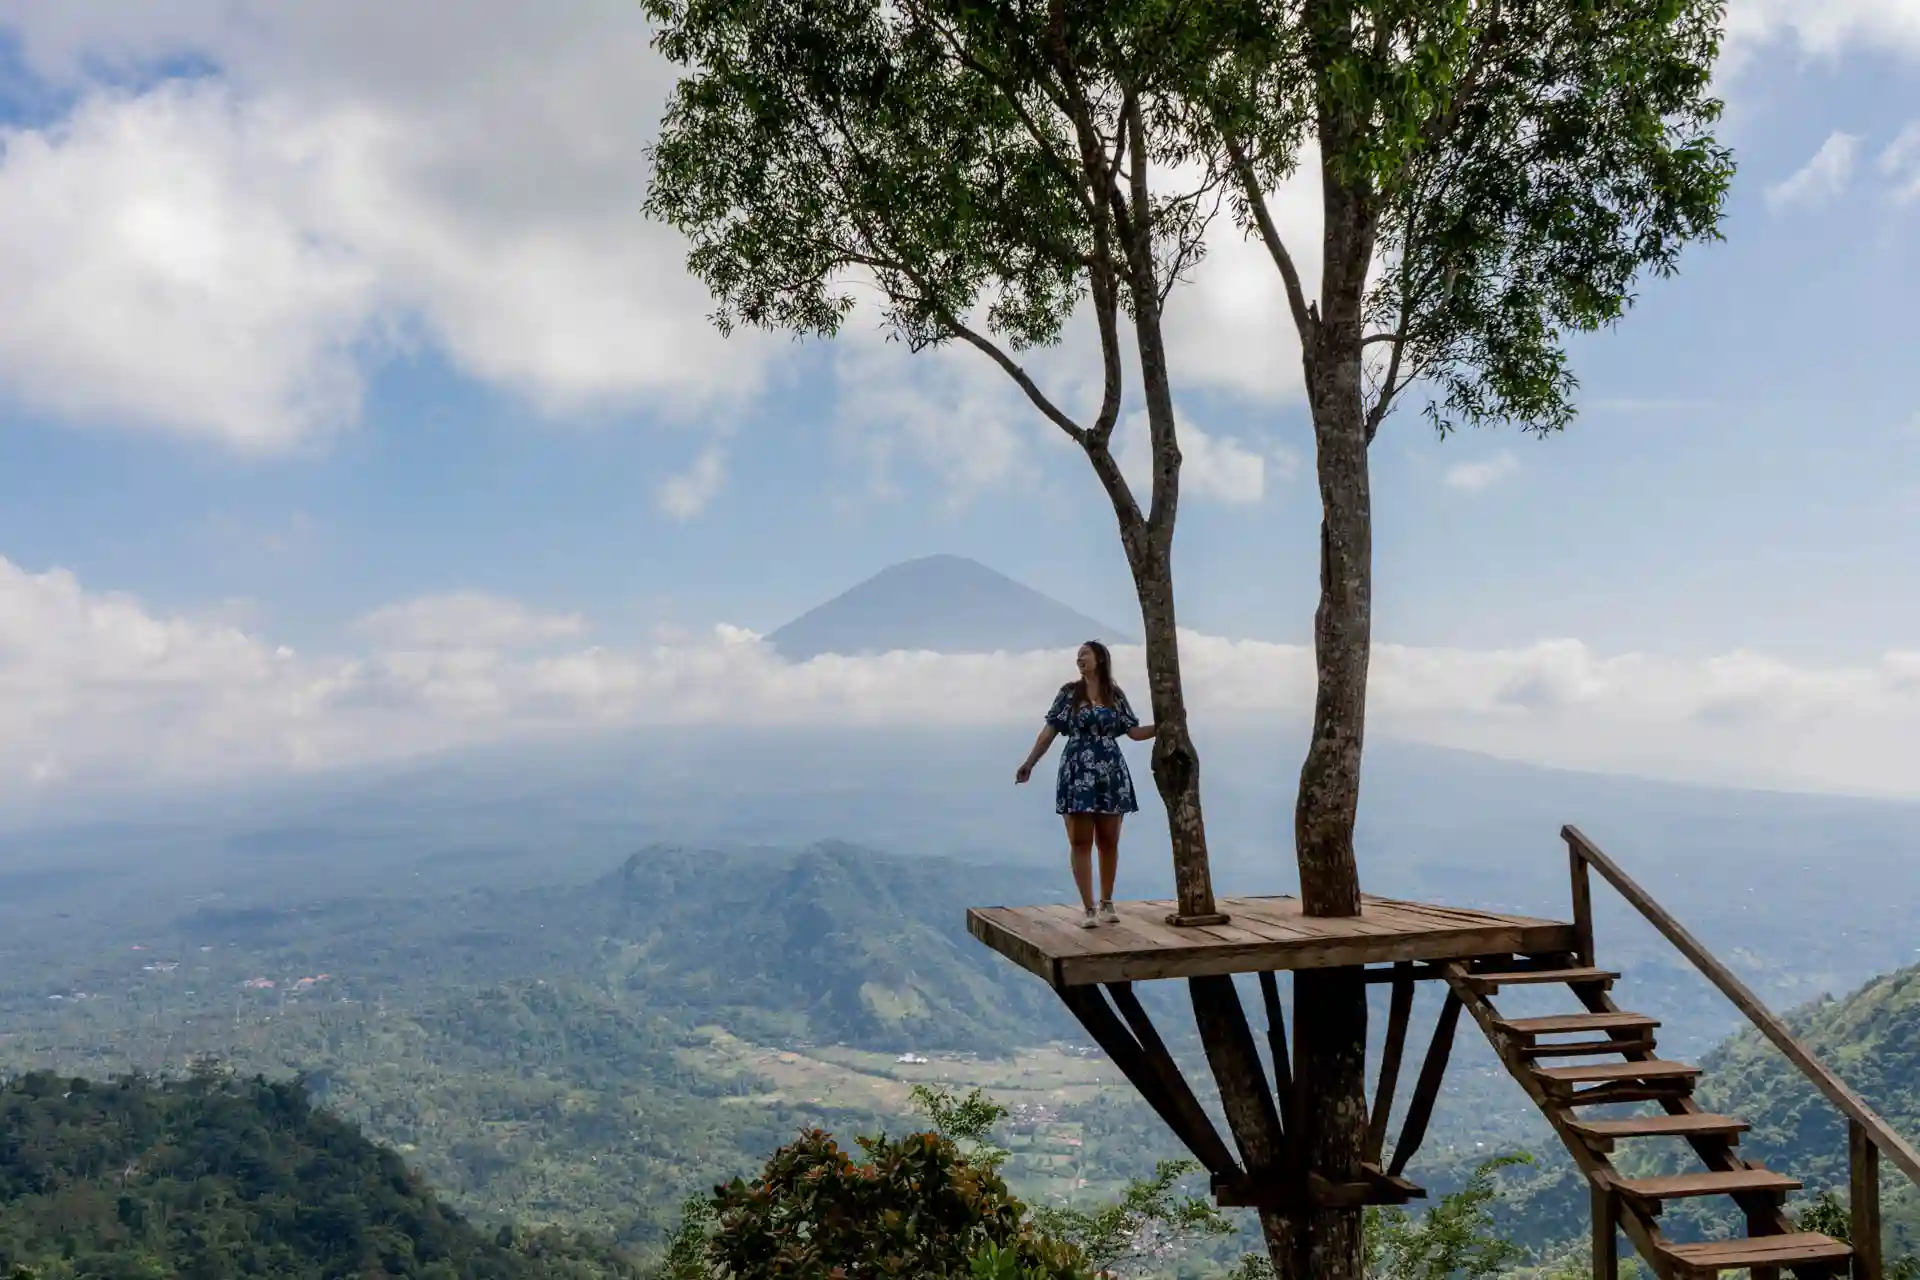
pixel 1900 162
pixel 467 175
pixel 464 173
pixel 686 495
pixel 1824 28
pixel 466 620
pixel 148 273
pixel 97 687
pixel 223 257
pixel 1820 179
pixel 1215 468
pixel 1475 477
pixel 950 411
pixel 1229 326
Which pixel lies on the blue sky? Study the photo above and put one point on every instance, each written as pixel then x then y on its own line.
pixel 303 328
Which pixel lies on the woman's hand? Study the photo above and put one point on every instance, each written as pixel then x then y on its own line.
pixel 1021 774
pixel 1140 733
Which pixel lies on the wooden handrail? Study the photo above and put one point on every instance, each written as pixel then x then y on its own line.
pixel 1865 1123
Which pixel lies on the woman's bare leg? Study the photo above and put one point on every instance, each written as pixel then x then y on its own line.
pixel 1080 837
pixel 1106 834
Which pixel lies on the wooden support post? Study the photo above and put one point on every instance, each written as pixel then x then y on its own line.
pixel 1582 906
pixel 1761 1214
pixel 1245 1096
pixel 1154 1074
pixel 1863 1169
pixel 1427 1091
pixel 1606 1236
pixel 1277 1049
pixel 1398 1016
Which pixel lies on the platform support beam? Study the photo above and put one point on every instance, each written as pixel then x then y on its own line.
pixel 1427 1091
pixel 1270 1173
pixel 1285 1088
pixel 1152 1071
pixel 1252 1115
pixel 1399 1014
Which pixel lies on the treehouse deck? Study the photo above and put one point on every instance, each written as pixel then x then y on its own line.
pixel 1262 934
pixel 1590 1054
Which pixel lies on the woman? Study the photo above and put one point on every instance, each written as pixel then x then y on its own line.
pixel 1095 791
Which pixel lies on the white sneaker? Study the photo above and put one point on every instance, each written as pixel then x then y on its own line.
pixel 1087 921
pixel 1108 915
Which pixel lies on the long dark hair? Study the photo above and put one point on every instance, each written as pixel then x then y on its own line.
pixel 1103 667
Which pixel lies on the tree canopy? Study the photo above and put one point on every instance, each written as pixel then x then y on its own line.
pixel 1513 168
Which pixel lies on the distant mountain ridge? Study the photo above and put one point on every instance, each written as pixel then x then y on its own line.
pixel 939 604
pixel 867 949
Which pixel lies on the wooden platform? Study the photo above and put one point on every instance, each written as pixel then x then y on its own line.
pixel 1263 933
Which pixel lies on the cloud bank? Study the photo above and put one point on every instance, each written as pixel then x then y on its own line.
pixel 228 255
pixel 97 688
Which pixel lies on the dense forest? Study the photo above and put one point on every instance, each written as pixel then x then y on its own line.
pixel 212 1177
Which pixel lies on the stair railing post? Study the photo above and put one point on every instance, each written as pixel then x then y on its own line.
pixel 1582 904
pixel 1606 1249
pixel 1863 1196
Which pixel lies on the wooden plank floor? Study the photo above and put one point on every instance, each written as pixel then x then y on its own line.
pixel 1261 933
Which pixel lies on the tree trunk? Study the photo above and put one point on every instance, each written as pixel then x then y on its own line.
pixel 1249 1104
pixel 1330 1005
pixel 1176 765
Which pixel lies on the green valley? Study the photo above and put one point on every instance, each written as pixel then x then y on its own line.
pixel 581 1058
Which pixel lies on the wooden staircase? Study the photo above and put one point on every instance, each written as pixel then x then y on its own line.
pixel 1617 1063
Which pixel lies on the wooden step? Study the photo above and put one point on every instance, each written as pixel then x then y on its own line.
pixel 1602 1134
pixel 1612 1072
pixel 1582 1048
pixel 1690 1186
pixel 1710 1257
pixel 1571 1023
pixel 1488 983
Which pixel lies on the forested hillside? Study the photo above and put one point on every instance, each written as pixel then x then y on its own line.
pixel 212 1177
pixel 1872 1039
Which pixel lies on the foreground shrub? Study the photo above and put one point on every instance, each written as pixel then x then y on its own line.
pixel 913 1207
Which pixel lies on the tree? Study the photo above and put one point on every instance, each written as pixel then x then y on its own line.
pixel 985 170
pixel 1494 174
pixel 931 1204
pixel 914 1206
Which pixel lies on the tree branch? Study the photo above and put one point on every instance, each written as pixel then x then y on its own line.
pixel 1020 376
pixel 1012 98
pixel 1303 315
pixel 1384 401
pixel 952 323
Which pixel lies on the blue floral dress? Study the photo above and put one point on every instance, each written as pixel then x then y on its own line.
pixel 1093 773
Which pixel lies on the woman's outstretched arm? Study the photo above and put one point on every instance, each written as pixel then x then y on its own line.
pixel 1040 745
pixel 1141 732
